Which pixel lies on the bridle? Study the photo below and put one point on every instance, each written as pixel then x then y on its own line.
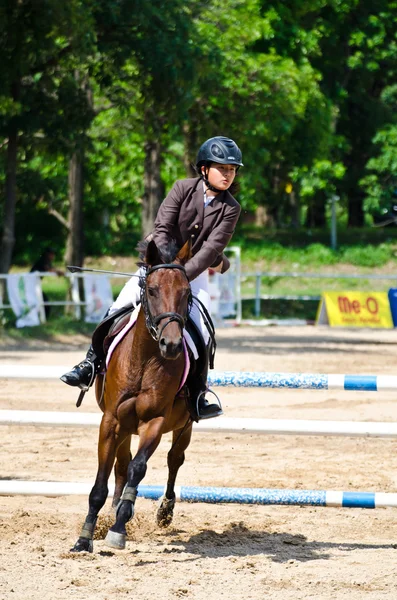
pixel 153 321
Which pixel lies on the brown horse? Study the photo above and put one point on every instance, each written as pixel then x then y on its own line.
pixel 140 396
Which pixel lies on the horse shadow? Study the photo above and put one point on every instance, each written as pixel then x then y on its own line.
pixel 281 547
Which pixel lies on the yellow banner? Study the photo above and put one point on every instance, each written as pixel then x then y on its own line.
pixel 355 309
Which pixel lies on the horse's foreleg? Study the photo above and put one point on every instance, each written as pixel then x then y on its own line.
pixel 175 459
pixel 123 459
pixel 149 438
pixel 99 492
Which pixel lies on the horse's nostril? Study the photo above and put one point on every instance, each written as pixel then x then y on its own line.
pixel 171 349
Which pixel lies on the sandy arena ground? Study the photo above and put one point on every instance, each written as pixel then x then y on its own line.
pixel 213 551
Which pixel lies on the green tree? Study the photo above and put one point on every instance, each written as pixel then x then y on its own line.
pixel 35 39
pixel 352 45
pixel 269 102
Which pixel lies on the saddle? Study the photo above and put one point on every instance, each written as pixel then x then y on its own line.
pixel 109 328
pixel 112 325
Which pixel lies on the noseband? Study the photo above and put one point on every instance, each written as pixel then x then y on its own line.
pixel 153 321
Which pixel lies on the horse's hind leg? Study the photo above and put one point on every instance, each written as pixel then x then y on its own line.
pixel 99 492
pixel 149 439
pixel 175 459
pixel 123 458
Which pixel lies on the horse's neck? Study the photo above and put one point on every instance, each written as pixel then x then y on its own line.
pixel 143 345
pixel 145 357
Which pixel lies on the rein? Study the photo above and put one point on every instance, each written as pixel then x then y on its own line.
pixel 153 321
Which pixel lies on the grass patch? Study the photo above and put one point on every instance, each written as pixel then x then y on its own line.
pixel 315 256
pixel 54 327
pixel 280 309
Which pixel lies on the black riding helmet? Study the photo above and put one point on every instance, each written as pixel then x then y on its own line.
pixel 220 150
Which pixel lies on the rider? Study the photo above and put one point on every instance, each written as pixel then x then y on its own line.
pixel 202 209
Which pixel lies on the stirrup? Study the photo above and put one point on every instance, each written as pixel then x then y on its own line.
pixel 218 402
pixel 85 387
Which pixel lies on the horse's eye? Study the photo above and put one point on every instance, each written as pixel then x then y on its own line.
pixel 151 292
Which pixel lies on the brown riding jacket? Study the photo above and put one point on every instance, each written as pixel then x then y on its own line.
pixel 182 216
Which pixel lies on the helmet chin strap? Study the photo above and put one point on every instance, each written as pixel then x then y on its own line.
pixel 208 185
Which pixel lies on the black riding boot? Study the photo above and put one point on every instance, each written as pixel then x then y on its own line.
pixel 83 374
pixel 197 386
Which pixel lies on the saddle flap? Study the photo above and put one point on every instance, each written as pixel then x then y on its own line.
pixel 102 330
pixel 115 329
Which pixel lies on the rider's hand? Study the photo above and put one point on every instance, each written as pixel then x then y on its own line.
pixel 218 268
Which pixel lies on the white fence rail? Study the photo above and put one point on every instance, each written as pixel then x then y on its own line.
pixel 233 280
pixel 224 290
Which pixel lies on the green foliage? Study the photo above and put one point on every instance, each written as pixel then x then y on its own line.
pixel 264 99
pixel 368 256
pixel 312 255
pixel 298 251
pixel 37 59
pixel 114 184
pixel 323 175
pixel 307 89
pixel 380 183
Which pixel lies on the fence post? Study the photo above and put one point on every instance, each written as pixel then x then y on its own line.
pixel 75 295
pixel 39 294
pixel 258 295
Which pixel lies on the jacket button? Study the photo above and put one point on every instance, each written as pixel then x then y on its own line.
pixel 192 235
pixel 196 226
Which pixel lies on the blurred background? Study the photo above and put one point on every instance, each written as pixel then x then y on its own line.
pixel 104 103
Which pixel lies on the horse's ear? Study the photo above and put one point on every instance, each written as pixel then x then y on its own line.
pixel 152 257
pixel 185 253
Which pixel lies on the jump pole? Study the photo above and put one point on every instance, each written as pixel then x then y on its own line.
pixel 220 425
pixel 303 381
pixel 215 495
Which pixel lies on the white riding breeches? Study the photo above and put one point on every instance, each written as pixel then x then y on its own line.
pixel 131 292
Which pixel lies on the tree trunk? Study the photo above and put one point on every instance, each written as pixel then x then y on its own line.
pixel 75 242
pixel 191 147
pixel 294 203
pixel 8 236
pixel 153 185
pixel 74 254
pixel 316 211
pixel 355 208
pixel 8 233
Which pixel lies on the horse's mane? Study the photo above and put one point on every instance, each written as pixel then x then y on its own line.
pixel 167 253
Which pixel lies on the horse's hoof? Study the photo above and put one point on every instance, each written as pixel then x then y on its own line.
pixel 83 545
pixel 115 540
pixel 165 512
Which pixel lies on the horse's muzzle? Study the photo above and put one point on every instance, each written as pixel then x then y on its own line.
pixel 170 349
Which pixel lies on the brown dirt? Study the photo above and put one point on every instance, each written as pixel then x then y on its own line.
pixel 213 551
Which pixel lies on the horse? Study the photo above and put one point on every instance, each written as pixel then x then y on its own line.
pixel 139 395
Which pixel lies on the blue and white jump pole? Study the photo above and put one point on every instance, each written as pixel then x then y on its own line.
pixel 369 383
pixel 304 381
pixel 300 381
pixel 215 495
